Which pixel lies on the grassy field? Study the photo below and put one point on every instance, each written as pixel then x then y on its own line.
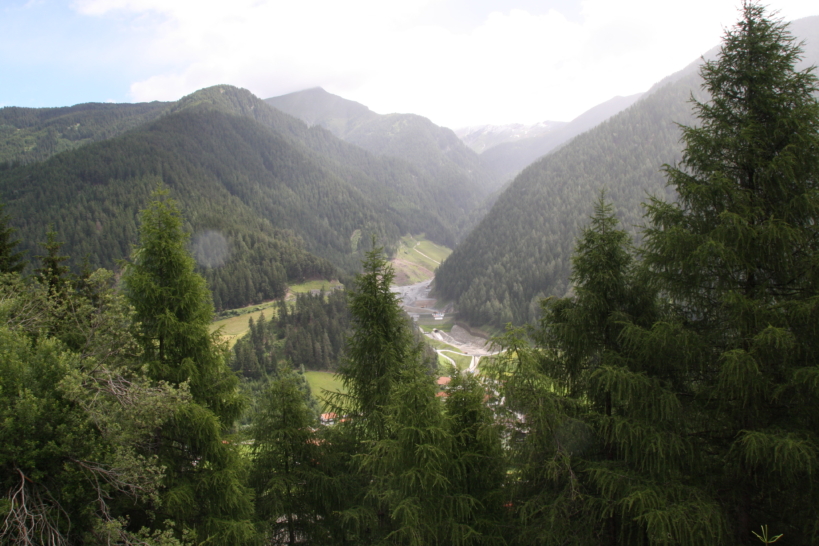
pixel 311 285
pixel 323 381
pixel 428 324
pixel 461 360
pixel 417 259
pixel 431 250
pixel 235 327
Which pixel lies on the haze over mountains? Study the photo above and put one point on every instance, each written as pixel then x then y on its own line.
pixel 521 251
pixel 482 137
pixel 290 201
pixel 507 159
pixel 287 188
pixel 436 150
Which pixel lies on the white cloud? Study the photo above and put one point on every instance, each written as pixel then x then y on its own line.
pixel 516 66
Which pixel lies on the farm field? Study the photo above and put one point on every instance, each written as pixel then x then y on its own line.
pixel 428 324
pixel 311 285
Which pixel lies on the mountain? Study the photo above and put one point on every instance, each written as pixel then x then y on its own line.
pixel 439 154
pixel 507 159
pixel 35 134
pixel 268 199
pixel 318 107
pixel 521 250
pixel 482 137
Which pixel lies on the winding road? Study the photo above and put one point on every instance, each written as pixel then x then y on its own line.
pixel 415 301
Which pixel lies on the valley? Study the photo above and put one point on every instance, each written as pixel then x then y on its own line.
pixel 204 332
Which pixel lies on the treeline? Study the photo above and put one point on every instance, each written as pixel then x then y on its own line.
pixel 286 201
pixel 521 251
pixel 118 404
pixel 120 409
pixel 671 398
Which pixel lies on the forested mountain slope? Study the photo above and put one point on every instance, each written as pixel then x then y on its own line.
pixel 35 134
pixel 521 251
pixel 267 199
pixel 463 179
pixel 509 158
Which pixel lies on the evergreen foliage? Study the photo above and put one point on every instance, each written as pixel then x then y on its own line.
pixel 173 311
pixel 520 252
pixel 285 452
pixel 476 460
pixel 409 456
pixel 77 420
pixel 311 334
pixel 11 261
pixel 380 345
pixel 737 258
pixel 411 467
pixel 28 135
pixel 669 401
pixel 52 272
pixel 270 200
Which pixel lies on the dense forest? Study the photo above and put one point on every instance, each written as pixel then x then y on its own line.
pixel 667 396
pixel 309 334
pixel 521 250
pixel 464 181
pixel 28 135
pixel 270 201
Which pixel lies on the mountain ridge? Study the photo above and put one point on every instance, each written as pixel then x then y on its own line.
pixel 521 250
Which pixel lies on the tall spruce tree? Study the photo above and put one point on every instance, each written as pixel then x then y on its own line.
pixel 11 261
pixel 477 465
pixel 737 258
pixel 173 310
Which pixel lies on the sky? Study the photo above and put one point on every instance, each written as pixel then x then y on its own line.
pixel 457 62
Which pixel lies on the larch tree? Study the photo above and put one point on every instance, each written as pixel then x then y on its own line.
pixel 173 309
pixel 381 343
pixel 595 426
pixel 737 258
pixel 52 272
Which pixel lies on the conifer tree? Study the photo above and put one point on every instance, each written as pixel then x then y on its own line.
pixel 52 272
pixel 285 452
pixel 737 258
pixel 173 310
pixel 10 261
pixel 411 467
pixel 476 459
pixel 598 426
pixel 381 343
